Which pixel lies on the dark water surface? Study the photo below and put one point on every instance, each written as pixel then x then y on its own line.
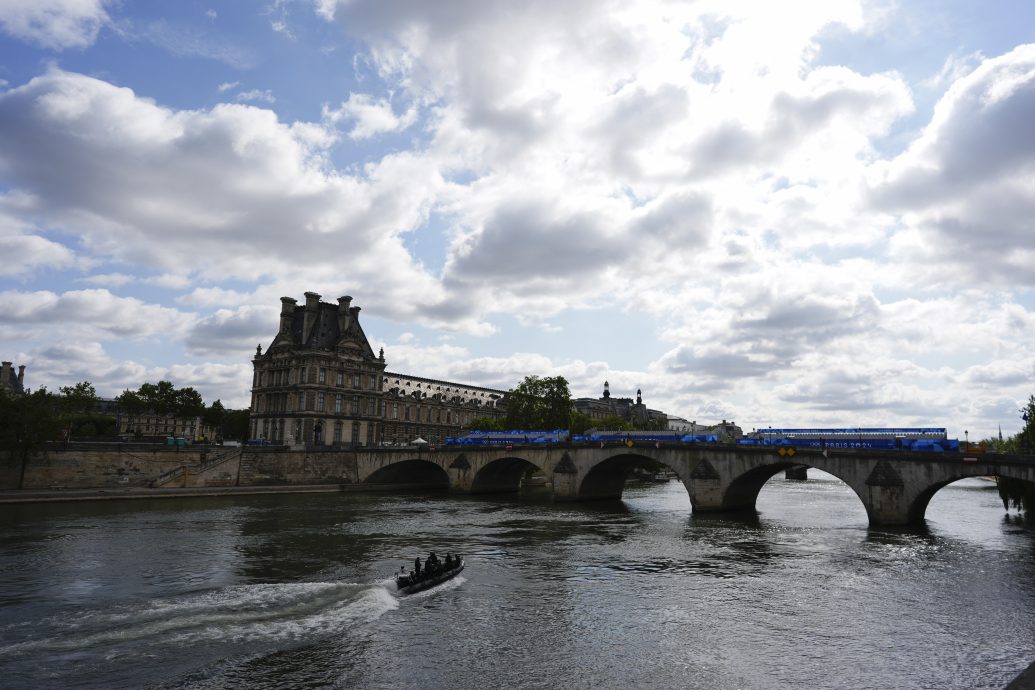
pixel 294 592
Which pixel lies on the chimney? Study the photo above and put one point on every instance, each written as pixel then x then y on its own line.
pixel 287 312
pixel 5 374
pixel 343 314
pixel 312 309
pixel 21 376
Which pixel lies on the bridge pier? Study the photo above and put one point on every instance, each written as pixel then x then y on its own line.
pixel 799 473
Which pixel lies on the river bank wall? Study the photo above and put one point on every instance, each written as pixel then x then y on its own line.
pixel 146 466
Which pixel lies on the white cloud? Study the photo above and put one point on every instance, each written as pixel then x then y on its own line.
pixel 966 187
pixel 227 85
pixel 56 24
pixel 266 96
pixel 371 117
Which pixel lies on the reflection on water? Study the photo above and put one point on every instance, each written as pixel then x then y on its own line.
pixel 295 591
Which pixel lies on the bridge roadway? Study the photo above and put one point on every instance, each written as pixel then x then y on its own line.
pixel 895 487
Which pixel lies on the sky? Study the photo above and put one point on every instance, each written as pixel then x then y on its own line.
pixel 815 213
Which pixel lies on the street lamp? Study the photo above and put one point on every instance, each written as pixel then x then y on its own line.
pixel 966 435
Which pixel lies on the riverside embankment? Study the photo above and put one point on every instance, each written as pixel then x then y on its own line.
pixel 133 467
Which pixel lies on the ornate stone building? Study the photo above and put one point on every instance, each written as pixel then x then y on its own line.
pixel 432 409
pixel 320 383
pixel 605 406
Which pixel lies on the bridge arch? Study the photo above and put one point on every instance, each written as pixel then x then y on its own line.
pixel 742 492
pixel 502 475
pixel 417 472
pixel 606 479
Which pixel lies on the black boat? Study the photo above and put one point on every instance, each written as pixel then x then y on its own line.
pixel 407 585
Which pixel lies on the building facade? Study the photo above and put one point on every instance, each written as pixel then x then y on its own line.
pixel 319 383
pixel 155 425
pixel 625 408
pixel 726 431
pixel 434 410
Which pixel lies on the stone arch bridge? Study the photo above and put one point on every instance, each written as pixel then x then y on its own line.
pixel 895 487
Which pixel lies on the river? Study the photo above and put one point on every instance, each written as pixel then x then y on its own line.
pixel 294 591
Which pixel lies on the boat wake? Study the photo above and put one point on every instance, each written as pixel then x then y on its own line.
pixel 442 587
pixel 281 613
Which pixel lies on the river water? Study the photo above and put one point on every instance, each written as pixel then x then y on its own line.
pixel 294 591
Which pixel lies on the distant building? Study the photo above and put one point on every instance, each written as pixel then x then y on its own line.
pixel 432 409
pixel 625 408
pixel 320 383
pixel 11 382
pixel 151 424
pixel 726 431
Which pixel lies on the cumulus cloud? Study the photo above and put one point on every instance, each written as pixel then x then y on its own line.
pixel 966 187
pixel 221 191
pixel 233 332
pixel 94 313
pixel 56 24
pixel 370 117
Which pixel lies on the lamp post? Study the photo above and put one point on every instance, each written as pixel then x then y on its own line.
pixel 966 435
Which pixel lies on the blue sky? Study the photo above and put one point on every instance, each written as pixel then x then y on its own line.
pixel 816 213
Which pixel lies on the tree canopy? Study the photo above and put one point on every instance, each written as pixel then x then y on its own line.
pixel 539 403
pixel 29 422
pixel 1020 494
pixel 164 398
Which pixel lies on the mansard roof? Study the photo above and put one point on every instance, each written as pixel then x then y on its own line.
pixel 322 326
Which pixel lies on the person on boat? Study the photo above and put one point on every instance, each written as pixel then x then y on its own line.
pixel 449 561
pixel 416 566
pixel 432 562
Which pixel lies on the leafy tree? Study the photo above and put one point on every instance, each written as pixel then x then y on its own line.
pixel 614 423
pixel 76 402
pixel 187 403
pixel 29 422
pixel 215 416
pixel 539 403
pixel 236 425
pixel 580 423
pixel 132 405
pixel 1026 438
pixel 79 399
pixel 486 424
pixel 160 397
pixel 1015 492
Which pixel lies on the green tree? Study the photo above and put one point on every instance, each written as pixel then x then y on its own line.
pixel 539 403
pixel 187 403
pixel 580 423
pixel 29 422
pixel 1026 437
pixel 236 425
pixel 485 424
pixel 215 416
pixel 79 399
pixel 132 405
pixel 77 402
pixel 159 397
pixel 1015 492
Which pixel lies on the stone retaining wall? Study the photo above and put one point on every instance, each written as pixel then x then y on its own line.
pixel 103 466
